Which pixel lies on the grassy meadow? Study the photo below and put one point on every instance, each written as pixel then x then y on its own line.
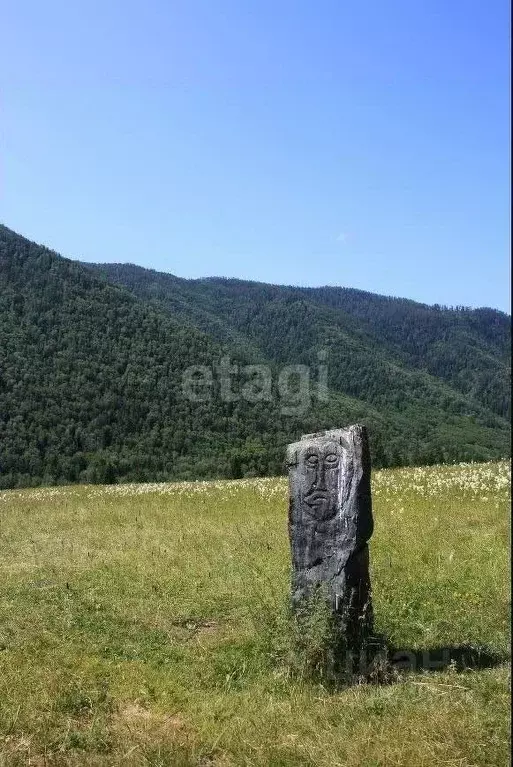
pixel 147 625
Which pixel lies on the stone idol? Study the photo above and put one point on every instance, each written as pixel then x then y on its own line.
pixel 330 522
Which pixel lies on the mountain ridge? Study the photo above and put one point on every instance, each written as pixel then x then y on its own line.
pixel 157 286
pixel 289 286
pixel 92 359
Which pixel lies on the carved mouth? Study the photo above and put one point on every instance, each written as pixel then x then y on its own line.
pixel 317 498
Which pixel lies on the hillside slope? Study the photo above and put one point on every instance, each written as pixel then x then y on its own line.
pixel 91 377
pixel 468 349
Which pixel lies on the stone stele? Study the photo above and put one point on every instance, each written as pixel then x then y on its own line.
pixel 330 521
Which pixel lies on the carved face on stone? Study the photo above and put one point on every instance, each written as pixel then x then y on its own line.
pixel 320 477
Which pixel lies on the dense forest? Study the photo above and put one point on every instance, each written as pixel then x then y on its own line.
pixel 93 359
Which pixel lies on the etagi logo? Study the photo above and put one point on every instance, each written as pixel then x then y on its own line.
pixel 296 386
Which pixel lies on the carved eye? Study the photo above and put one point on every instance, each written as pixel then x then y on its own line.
pixel 312 461
pixel 331 459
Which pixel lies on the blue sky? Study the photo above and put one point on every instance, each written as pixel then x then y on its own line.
pixel 363 144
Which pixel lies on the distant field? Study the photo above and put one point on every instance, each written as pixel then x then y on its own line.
pixel 143 625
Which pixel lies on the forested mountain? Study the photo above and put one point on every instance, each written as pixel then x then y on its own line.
pixel 92 359
pixel 469 349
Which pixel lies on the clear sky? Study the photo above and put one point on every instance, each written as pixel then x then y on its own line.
pixel 361 143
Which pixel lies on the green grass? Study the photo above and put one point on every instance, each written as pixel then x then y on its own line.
pixel 146 625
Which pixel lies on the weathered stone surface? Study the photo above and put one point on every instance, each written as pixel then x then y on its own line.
pixel 330 521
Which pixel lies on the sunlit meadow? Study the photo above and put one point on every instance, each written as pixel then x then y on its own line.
pixel 143 625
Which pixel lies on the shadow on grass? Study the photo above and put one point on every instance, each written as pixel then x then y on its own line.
pixel 383 663
pixel 459 658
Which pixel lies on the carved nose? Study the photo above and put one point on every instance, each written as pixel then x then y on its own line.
pixel 320 481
